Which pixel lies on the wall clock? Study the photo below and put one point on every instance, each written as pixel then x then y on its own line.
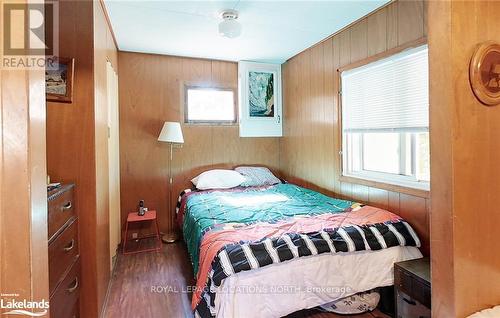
pixel 484 73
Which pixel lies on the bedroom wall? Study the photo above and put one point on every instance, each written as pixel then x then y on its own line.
pixel 151 92
pixel 309 150
pixel 104 50
pixel 23 196
pixel 464 156
pixel 77 141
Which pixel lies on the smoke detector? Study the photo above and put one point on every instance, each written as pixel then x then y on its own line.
pixel 229 27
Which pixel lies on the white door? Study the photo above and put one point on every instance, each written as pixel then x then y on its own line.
pixel 114 161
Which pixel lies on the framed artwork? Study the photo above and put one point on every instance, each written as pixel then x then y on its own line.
pixel 260 99
pixel 59 80
pixel 261 94
pixel 484 73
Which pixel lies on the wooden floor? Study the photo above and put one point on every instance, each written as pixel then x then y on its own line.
pixel 150 285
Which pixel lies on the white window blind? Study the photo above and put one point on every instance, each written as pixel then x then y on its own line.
pixel 388 95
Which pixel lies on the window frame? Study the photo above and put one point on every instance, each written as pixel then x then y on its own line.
pixel 407 176
pixel 188 87
pixel 388 181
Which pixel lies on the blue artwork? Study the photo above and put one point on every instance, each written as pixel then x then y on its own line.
pixel 261 94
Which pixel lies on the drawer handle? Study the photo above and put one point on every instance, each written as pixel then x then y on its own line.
pixel 70 246
pixel 410 302
pixel 67 206
pixel 74 287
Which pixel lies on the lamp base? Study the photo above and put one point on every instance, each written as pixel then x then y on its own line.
pixel 169 238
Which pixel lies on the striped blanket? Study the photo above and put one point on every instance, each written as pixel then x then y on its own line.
pixel 229 248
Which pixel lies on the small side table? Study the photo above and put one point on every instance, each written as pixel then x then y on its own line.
pixel 148 216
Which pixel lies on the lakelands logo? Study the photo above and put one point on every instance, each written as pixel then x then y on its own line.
pixel 29 33
pixel 24 307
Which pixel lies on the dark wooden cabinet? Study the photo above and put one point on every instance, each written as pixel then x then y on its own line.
pixel 64 253
pixel 413 288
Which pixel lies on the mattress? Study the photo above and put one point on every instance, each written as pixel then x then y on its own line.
pixel 276 291
pixel 239 233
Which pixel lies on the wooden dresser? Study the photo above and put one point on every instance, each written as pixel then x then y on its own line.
pixel 64 254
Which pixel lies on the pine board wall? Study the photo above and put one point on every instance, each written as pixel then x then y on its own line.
pixel 151 92
pixel 152 89
pixel 309 150
pixel 77 141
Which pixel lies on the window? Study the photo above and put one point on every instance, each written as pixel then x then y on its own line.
pixel 210 105
pixel 385 120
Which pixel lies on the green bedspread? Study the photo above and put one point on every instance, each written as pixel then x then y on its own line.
pixel 207 210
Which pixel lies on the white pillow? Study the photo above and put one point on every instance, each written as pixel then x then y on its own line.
pixel 257 176
pixel 218 179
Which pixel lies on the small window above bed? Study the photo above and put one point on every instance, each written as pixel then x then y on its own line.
pixel 209 105
pixel 385 120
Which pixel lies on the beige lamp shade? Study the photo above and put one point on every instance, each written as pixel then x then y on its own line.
pixel 171 132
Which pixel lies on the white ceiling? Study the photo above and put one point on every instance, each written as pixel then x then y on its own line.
pixel 273 31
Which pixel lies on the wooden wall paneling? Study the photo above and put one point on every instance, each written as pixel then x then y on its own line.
pixel 393 202
pixel 289 156
pixel 465 159
pixel 359 40
pixel 360 192
pixel 425 8
pixel 337 136
pixel 328 116
pixel 70 138
pixel 285 70
pixel 77 140
pixel 151 92
pixel 38 172
pixel 302 112
pixel 344 47
pixel 104 51
pixel 346 190
pixel 23 213
pixel 415 209
pixel 284 147
pixel 15 179
pixel 378 198
pixel 316 113
pixel 377 32
pixel 410 20
pixel 441 216
pixel 23 196
pixel 392 25
pixel 2 231
pixel 313 113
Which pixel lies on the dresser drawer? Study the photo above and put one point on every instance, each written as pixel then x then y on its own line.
pixel 413 286
pixel 402 280
pixel 62 253
pixel 61 209
pixel 65 298
pixel 409 307
pixel 421 292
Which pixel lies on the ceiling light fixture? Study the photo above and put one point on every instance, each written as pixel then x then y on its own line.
pixel 229 28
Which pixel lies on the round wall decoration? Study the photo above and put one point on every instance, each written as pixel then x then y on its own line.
pixel 484 73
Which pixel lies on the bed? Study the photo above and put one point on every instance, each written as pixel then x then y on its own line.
pixel 272 250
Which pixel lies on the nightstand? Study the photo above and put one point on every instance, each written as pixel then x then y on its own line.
pixel 149 216
pixel 412 281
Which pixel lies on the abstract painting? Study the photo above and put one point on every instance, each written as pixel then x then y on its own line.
pixel 261 94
